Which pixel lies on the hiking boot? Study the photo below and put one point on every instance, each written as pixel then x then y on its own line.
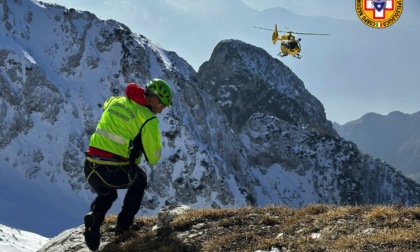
pixel 92 231
pixel 119 230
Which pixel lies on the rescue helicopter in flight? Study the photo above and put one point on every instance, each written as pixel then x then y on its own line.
pixel 289 45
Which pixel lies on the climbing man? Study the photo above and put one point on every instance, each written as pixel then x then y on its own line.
pixel 127 129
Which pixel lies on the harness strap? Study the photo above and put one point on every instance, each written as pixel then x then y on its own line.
pixel 106 162
pixel 141 128
pixel 139 148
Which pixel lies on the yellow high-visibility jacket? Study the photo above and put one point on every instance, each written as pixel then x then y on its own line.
pixel 128 129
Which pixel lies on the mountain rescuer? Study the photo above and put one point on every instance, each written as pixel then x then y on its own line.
pixel 127 129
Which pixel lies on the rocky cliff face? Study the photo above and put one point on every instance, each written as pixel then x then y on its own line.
pixel 242 131
pixel 244 79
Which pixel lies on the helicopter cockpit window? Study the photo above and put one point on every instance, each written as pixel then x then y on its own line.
pixel 289 44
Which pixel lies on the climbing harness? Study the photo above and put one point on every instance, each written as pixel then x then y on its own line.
pixel 110 166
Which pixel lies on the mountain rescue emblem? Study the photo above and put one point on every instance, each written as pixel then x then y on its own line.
pixel 379 13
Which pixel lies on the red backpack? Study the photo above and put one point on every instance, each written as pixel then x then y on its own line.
pixel 136 93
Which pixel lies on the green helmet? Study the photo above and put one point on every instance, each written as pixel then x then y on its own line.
pixel 161 89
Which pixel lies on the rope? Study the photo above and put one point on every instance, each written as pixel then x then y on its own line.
pixel 94 163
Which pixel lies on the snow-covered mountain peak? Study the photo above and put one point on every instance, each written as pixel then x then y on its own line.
pixel 15 240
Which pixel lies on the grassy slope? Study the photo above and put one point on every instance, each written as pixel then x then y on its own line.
pixel 312 228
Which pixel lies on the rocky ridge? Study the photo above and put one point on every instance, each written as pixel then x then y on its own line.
pixel 274 229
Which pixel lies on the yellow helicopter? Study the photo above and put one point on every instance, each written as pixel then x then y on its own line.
pixel 289 45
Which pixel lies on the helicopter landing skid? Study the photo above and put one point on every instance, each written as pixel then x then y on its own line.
pixel 297 56
pixel 282 54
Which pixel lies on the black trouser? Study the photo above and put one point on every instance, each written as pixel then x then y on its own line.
pixel 106 179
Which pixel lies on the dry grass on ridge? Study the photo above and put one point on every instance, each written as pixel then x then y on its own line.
pixel 312 228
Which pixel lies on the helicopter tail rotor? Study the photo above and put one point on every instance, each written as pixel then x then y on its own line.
pixel 275 35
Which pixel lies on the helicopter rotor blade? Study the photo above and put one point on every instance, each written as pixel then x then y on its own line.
pixel 305 33
pixel 262 28
pixel 292 32
pixel 268 29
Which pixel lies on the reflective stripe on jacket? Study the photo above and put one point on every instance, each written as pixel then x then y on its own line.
pixel 118 131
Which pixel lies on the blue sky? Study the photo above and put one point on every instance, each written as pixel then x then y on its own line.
pixel 354 71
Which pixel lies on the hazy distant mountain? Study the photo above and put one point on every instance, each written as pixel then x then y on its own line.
pixel 393 138
pixel 243 130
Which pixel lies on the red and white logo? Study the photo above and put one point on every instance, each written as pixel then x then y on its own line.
pixel 379 13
